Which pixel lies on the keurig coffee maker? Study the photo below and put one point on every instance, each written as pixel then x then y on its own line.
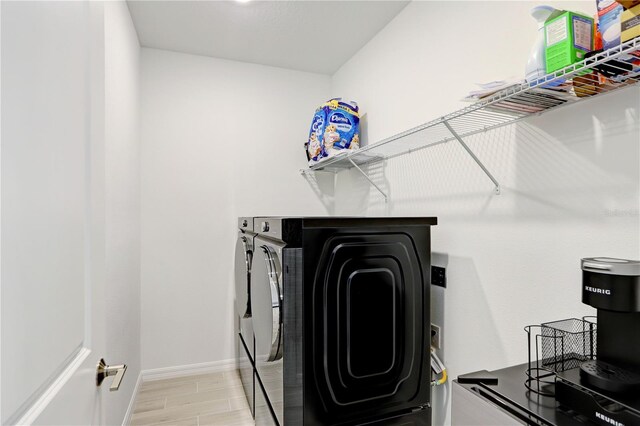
pixel 607 389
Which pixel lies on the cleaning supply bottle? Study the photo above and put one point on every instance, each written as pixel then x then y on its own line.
pixel 536 66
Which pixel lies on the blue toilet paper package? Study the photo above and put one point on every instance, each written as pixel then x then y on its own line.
pixel 335 128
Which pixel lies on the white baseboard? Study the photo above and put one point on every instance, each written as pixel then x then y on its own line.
pixel 188 370
pixel 127 416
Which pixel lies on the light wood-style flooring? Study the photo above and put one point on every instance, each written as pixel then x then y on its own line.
pixel 208 399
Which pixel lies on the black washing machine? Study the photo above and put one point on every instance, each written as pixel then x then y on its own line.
pixel 341 315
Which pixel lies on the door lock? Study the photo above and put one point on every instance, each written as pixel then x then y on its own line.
pixel 104 371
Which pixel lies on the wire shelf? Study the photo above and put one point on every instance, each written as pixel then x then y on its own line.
pixel 577 83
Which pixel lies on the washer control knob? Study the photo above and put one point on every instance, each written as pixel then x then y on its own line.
pixel 244 223
pixel 265 226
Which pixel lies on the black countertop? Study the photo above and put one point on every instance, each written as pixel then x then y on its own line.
pixel 511 395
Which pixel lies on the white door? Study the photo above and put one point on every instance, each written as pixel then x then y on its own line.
pixel 52 259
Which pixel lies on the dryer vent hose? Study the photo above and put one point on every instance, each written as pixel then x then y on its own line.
pixel 438 368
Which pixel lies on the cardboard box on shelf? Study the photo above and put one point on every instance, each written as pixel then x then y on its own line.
pixel 609 14
pixel 630 24
pixel 628 4
pixel 568 37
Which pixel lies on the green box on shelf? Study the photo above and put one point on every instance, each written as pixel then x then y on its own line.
pixel 568 36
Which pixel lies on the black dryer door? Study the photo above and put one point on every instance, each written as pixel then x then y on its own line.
pixel 370 305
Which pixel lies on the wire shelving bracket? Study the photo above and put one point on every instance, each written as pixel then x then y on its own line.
pixel 475 158
pixel 369 179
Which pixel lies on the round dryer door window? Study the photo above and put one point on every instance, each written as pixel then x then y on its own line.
pixel 266 304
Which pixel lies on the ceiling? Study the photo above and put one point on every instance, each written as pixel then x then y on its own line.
pixel 314 36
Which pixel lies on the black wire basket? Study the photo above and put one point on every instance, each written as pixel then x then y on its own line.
pixel 558 346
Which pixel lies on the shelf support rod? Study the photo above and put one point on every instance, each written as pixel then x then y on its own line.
pixel 476 159
pixel 368 178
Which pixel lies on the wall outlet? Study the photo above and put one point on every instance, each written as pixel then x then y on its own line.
pixel 438 276
pixel 436 336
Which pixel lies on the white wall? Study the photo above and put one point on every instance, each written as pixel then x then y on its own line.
pixel 122 156
pixel 219 139
pixel 570 179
